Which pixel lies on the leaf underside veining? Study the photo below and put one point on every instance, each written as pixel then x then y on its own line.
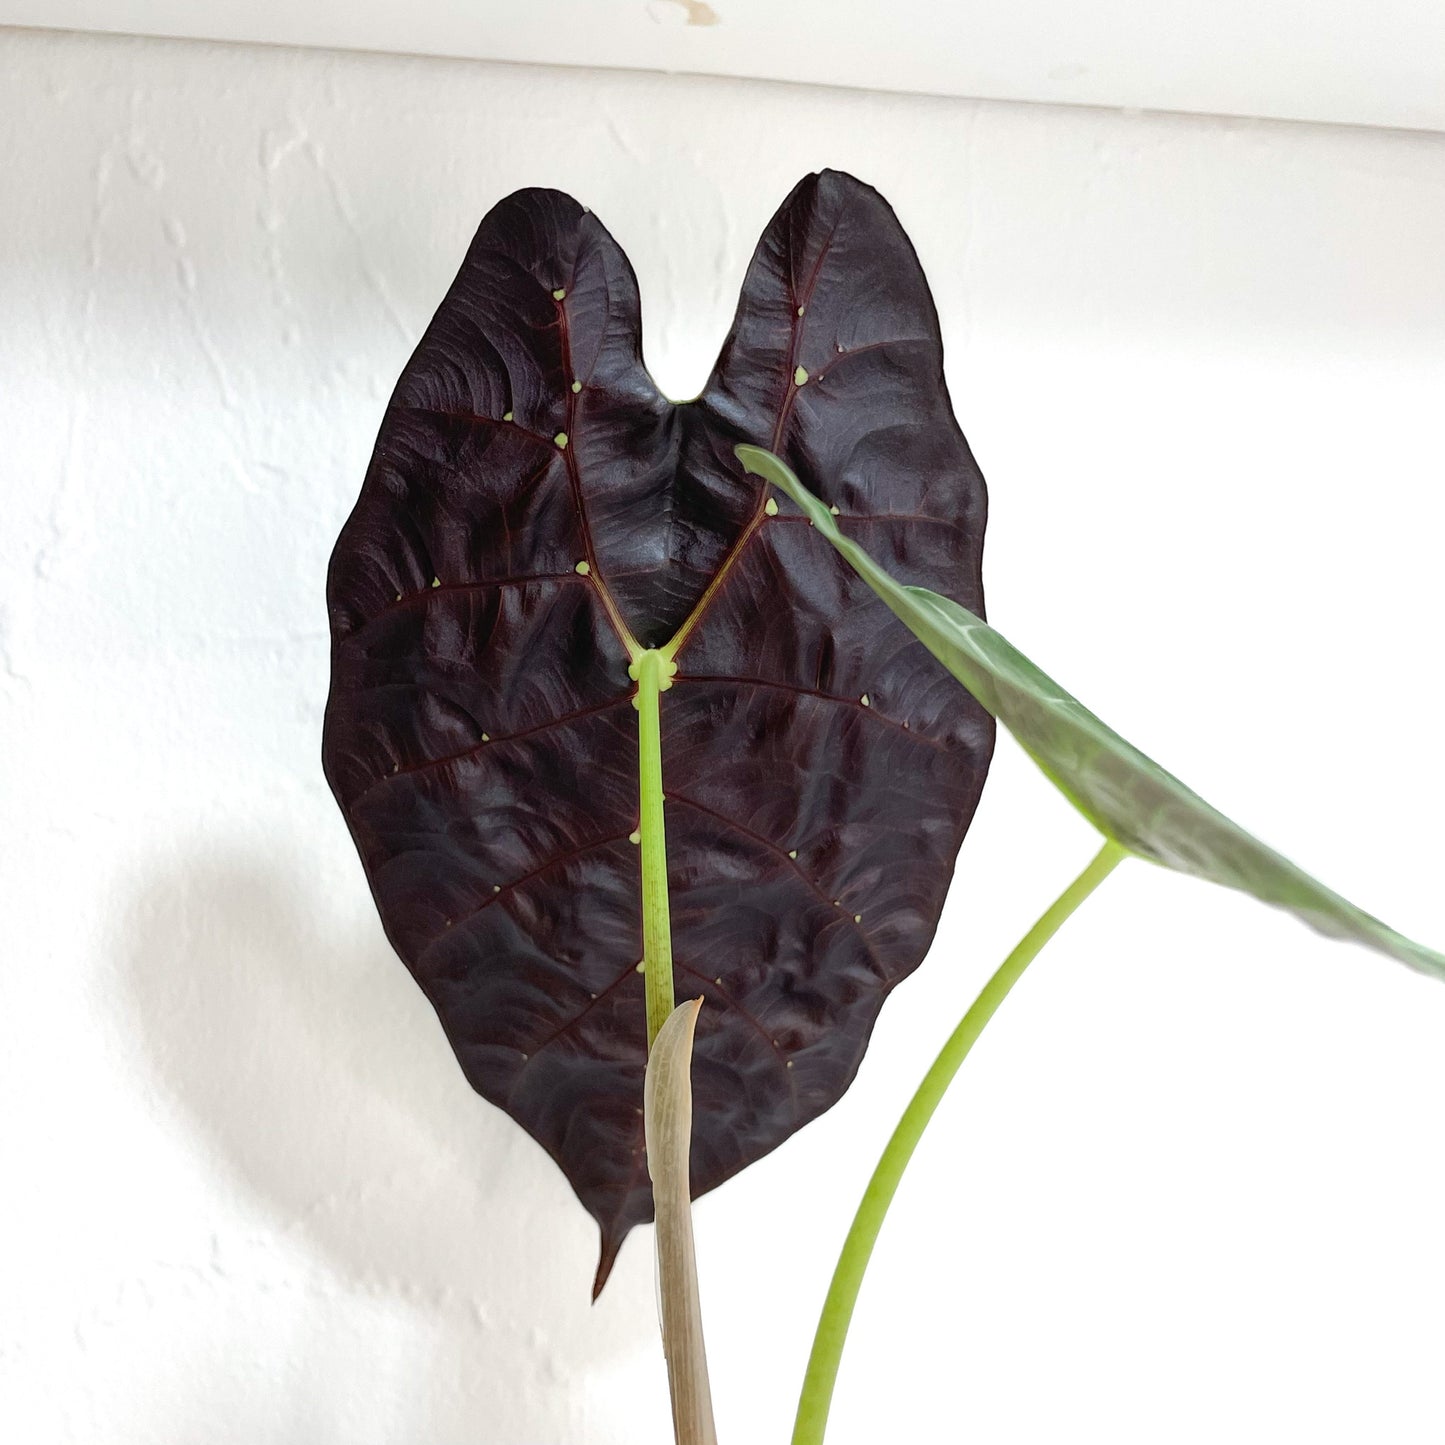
pixel 534 515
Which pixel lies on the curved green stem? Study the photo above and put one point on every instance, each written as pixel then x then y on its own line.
pixel 832 1332
pixel 653 674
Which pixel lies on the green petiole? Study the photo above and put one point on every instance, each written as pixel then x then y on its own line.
pixel 817 1395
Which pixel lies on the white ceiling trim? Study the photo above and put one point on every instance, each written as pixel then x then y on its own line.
pixel 1357 62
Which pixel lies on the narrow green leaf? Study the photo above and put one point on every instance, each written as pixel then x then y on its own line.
pixel 667 1099
pixel 1128 797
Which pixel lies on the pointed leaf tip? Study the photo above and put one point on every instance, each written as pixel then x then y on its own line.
pixel 611 1243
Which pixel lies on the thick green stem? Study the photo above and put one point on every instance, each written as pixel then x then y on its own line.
pixel 653 675
pixel 832 1332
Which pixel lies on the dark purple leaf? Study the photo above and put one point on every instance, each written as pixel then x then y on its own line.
pixel 820 768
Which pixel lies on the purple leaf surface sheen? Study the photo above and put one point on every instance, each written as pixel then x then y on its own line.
pixel 536 510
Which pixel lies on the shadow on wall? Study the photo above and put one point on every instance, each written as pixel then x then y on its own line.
pixel 316 1074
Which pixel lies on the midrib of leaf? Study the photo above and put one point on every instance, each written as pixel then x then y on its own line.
pixel 653 670
pixel 653 674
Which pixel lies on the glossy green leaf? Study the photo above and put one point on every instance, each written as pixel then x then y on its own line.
pixel 1128 797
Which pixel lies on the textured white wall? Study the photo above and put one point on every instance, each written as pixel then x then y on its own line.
pixel 1189 1186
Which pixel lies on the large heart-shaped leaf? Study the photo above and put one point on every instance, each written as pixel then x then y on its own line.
pixel 536 514
pixel 1127 796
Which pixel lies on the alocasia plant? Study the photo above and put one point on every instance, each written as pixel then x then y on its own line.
pixel 605 716
pixel 561 596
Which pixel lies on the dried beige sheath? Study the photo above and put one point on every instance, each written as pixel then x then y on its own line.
pixel 667 1096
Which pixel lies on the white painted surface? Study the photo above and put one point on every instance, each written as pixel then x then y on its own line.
pixel 1355 62
pixel 1189 1186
